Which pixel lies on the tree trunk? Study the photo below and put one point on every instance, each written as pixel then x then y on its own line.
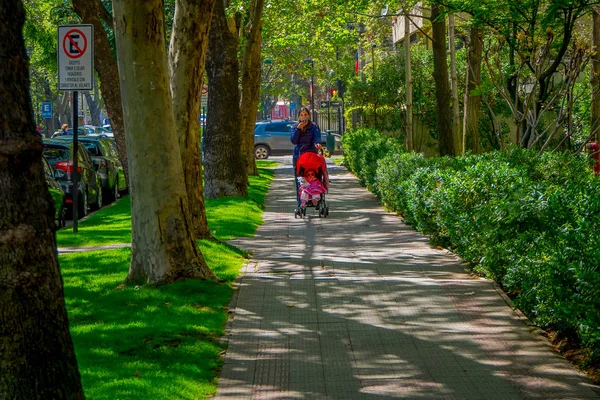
pixel 90 11
pixel 473 90
pixel 408 76
pixel 595 79
pixel 163 247
pixel 187 55
pixel 38 360
pixel 63 109
pixel 94 109
pixel 442 90
pixel 225 171
pixel 454 78
pixel 251 83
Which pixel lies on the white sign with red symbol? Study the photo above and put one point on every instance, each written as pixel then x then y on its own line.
pixel 75 57
pixel 204 98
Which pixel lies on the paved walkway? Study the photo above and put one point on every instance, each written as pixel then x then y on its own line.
pixel 359 306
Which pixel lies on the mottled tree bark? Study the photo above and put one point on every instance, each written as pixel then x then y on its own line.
pixel 163 246
pixel 187 55
pixel 224 171
pixel 105 64
pixel 442 89
pixel 474 56
pixel 94 108
pixel 251 82
pixel 595 78
pixel 37 360
pixel 454 86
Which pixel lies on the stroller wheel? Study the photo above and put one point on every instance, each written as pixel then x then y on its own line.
pixel 303 210
pixel 326 211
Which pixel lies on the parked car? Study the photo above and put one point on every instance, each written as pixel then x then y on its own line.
pixel 91 129
pixel 57 193
pixel 59 154
pixel 272 137
pixel 81 131
pixel 106 163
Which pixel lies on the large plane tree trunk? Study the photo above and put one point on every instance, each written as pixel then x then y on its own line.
pixel 225 171
pixel 442 89
pixel 37 359
pixel 473 91
pixel 187 55
pixel 251 82
pixel 105 64
pixel 163 245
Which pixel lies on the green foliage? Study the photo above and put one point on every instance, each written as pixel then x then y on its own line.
pixel 366 146
pixel 145 342
pixel 142 342
pixel 527 220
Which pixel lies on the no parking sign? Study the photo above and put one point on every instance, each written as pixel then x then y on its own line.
pixel 75 57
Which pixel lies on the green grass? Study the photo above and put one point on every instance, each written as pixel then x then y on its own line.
pixel 227 218
pixel 110 225
pixel 266 164
pixel 337 159
pixel 143 342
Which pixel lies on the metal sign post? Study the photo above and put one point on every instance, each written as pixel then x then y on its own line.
pixel 75 72
pixel 75 173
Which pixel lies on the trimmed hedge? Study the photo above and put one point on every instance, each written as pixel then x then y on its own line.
pixel 529 221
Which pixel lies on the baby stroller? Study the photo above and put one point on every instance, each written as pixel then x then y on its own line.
pixel 312 162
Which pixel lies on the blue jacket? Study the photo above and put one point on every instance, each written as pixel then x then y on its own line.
pixel 307 142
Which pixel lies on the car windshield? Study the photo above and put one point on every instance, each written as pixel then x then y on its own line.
pixel 57 153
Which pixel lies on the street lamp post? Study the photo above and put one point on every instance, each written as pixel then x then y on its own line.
pixel 312 86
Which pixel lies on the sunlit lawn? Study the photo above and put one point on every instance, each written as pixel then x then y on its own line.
pixel 337 159
pixel 145 342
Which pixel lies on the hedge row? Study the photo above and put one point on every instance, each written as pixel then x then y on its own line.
pixel 529 221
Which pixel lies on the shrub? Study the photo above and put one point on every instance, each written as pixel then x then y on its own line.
pixel 527 220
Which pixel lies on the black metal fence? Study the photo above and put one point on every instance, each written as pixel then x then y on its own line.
pixel 331 119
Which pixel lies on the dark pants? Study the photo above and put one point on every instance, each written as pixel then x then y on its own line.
pixel 295 162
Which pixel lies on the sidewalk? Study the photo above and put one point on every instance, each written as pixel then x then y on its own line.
pixel 359 306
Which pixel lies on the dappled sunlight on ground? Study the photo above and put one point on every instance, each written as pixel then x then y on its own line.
pixel 360 306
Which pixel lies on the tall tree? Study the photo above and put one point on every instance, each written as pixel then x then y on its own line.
pixel 187 54
pixel 225 171
pixel 38 360
pixel 475 51
pixel 251 82
pixel 94 12
pixel 163 245
pixel 442 90
pixel 595 78
pixel 454 86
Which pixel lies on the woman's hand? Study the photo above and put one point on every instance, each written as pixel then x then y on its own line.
pixel 302 124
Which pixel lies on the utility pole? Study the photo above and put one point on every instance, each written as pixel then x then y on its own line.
pixel 373 45
pixel 408 78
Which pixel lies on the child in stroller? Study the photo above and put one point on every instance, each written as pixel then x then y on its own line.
pixel 313 182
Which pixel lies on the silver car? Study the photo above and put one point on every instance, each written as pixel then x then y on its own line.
pixel 272 137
